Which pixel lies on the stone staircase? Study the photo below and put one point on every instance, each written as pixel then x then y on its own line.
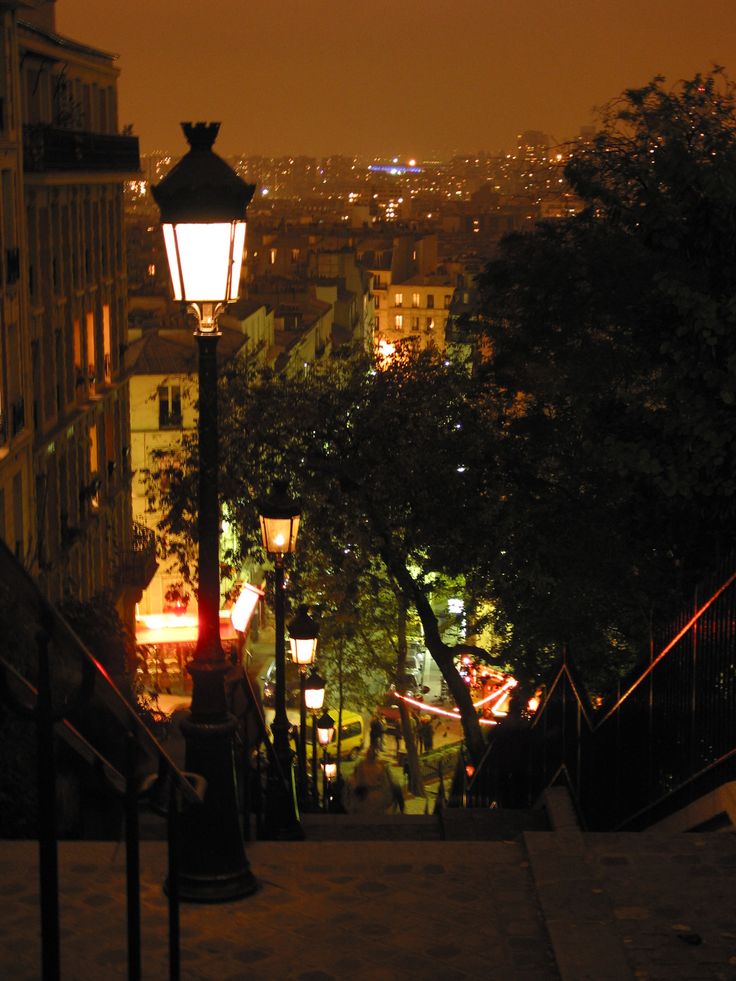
pixel 450 824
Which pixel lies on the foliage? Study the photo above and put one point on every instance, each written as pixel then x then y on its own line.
pixel 615 352
pixel 392 467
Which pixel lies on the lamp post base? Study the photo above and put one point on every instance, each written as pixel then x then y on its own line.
pixel 282 812
pixel 213 866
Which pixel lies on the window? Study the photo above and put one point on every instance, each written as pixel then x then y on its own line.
pixel 416 300
pixel 106 344
pixel 399 321
pixel 91 354
pixel 399 301
pixel 448 300
pixel 430 301
pixel 415 323
pixel 295 255
pixel 169 407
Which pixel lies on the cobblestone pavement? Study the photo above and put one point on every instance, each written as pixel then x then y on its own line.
pixel 545 905
pixel 366 911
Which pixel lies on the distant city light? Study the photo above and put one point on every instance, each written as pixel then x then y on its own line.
pixel 395 169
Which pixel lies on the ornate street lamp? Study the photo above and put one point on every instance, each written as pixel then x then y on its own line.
pixel 303 634
pixel 203 203
pixel 279 517
pixel 325 732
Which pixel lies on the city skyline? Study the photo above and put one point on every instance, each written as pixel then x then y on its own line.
pixel 417 79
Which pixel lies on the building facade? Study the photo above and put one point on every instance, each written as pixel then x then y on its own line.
pixel 65 504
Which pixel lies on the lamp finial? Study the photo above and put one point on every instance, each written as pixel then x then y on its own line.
pixel 201 136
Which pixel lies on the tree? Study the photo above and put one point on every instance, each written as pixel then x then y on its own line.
pixel 614 347
pixel 392 468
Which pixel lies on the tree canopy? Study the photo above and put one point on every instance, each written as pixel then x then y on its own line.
pixel 614 345
pixel 392 469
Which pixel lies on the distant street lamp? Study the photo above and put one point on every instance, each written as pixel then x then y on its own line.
pixel 325 732
pixel 203 204
pixel 279 517
pixel 303 634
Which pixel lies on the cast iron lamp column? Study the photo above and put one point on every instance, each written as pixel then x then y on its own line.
pixel 303 633
pixel 203 203
pixel 325 732
pixel 314 697
pixel 279 518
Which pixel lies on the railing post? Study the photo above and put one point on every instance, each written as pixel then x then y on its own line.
pixel 48 863
pixel 172 828
pixel 132 860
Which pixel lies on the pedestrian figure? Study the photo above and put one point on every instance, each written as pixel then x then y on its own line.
pixel 371 788
pixel 376 732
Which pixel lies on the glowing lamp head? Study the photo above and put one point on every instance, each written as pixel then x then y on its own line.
pixel 330 769
pixel 203 202
pixel 279 522
pixel 314 692
pixel 325 729
pixel 303 633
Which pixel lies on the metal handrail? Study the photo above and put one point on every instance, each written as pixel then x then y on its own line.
pixel 191 785
pixel 39 610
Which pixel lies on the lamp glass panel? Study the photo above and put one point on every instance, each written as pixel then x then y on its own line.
pixel 314 698
pixel 279 534
pixel 325 735
pixel 237 259
pixel 303 650
pixel 173 260
pixel 201 260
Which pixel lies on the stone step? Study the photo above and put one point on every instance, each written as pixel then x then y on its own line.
pixel 371 827
pixel 452 824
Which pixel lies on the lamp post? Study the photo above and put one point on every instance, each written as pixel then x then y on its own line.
pixel 303 633
pixel 325 732
pixel 203 203
pixel 279 517
pixel 314 697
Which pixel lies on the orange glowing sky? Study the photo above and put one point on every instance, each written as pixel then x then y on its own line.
pixel 423 78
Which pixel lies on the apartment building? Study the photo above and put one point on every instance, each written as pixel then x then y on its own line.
pixel 65 505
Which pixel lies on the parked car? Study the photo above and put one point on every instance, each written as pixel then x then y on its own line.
pixel 352 736
pixel 292 685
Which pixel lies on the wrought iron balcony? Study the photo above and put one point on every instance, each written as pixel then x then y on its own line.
pixel 138 563
pixel 49 148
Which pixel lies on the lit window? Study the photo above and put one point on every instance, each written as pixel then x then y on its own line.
pixel 273 253
pixel 399 302
pixel 169 406
pixel 399 321
pixel 415 300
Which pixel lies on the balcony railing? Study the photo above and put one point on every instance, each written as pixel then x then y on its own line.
pixel 48 148
pixel 138 563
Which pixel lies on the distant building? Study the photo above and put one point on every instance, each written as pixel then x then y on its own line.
pixel 64 418
pixel 163 398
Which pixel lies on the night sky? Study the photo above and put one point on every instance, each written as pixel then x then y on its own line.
pixel 422 78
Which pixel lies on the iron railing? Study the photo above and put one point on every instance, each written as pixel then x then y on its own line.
pixel 52 148
pixel 60 695
pixel 664 738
